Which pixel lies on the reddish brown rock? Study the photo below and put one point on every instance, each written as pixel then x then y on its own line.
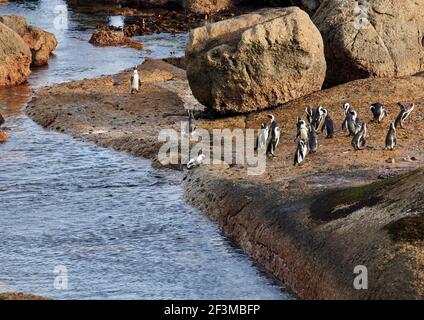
pixel 374 38
pixel 15 58
pixel 20 295
pixel 105 37
pixel 41 43
pixel 3 136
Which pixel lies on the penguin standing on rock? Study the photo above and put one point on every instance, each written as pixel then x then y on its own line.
pixel 353 123
pixel 310 114
pixel 360 138
pixel 319 118
pixel 301 152
pixel 135 81
pixel 196 162
pixel 391 140
pixel 346 108
pixel 191 122
pixel 379 112
pixel 302 130
pixel 262 137
pixel 313 141
pixel 405 112
pixel 328 127
pixel 274 132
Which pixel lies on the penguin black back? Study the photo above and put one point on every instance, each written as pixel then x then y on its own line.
pixel 313 140
pixel 328 127
pixel 404 113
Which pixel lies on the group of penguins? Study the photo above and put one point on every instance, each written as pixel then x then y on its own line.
pixel 319 120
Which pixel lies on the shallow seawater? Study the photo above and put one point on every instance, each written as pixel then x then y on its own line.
pixel 109 223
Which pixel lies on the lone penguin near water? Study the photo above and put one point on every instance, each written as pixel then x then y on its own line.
pixel 262 137
pixel 379 112
pixel 391 139
pixel 135 81
pixel 274 132
pixel 404 113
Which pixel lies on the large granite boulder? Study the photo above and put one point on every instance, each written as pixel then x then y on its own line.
pixel 380 38
pixel 40 42
pixel 15 58
pixel 255 61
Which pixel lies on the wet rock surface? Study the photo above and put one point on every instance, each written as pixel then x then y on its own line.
pixel 106 37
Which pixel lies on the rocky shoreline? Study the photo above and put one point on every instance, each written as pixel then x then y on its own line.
pixel 22 46
pixel 16 296
pixel 308 233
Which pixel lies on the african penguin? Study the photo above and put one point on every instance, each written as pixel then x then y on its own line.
pixel 196 161
pixel 319 118
pixel 352 122
pixel 301 152
pixel 313 141
pixel 346 108
pixel 274 133
pixel 262 137
pixel 310 114
pixel 302 130
pixel 328 127
pixel 359 139
pixel 191 122
pixel 391 140
pixel 379 112
pixel 405 112
pixel 135 81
